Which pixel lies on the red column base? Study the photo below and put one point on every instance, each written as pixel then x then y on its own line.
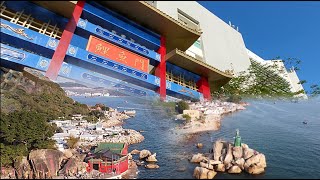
pixel 204 88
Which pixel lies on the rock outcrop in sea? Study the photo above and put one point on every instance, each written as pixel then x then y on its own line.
pixel 227 158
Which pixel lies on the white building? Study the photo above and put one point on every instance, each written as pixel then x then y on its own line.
pixel 220 45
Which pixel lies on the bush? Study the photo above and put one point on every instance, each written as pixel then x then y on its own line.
pixel 182 105
pixel 187 117
pixel 72 142
pixel 59 130
pixel 234 98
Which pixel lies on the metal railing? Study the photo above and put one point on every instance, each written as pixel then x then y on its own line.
pixel 29 22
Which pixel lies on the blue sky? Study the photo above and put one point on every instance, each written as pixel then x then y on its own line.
pixel 271 29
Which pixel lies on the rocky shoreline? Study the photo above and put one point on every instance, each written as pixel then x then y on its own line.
pixel 226 157
pixel 133 137
pixel 206 116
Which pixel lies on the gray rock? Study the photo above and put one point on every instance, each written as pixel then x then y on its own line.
pixel 240 162
pixel 217 147
pixel 220 168
pixel 135 151
pixel 200 173
pixel 254 169
pixel 234 170
pixel 152 166
pixel 206 165
pixel 152 158
pixel 197 158
pixel 258 159
pixel 144 153
pixel 211 174
pixel 248 153
pixel 213 162
pixel 237 152
pixel 229 157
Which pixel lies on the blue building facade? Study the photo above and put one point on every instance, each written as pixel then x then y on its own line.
pixel 31 35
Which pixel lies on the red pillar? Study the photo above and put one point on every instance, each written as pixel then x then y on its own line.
pixel 161 69
pixel 65 40
pixel 204 87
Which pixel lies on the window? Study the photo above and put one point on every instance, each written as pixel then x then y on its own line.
pixel 188 20
pixel 152 3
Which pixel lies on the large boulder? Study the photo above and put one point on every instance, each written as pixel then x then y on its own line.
pixel 68 153
pixel 144 153
pixel 73 165
pixel 199 145
pixel 237 152
pixel 258 159
pixel 135 151
pixel 262 160
pixel 203 173
pixel 206 165
pixel 220 168
pixel 228 166
pixel 129 156
pixel 200 173
pixel 152 158
pixel 23 169
pixel 7 173
pixel 247 153
pixel 217 147
pixel 240 162
pixel 229 157
pixel 234 170
pixel 254 169
pixel 223 154
pixel 45 162
pixel 213 162
pixel 244 146
pixel 197 158
pixel 211 174
pixel 152 166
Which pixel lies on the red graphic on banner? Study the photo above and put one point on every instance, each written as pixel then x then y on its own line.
pixel 113 52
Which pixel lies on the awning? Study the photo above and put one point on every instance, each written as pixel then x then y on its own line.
pixel 62 8
pixel 177 34
pixel 215 77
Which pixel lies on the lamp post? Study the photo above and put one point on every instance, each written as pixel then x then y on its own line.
pixel 237 140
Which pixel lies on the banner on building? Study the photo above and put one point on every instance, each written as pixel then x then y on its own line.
pixel 118 54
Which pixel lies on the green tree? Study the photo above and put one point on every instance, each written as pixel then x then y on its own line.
pixel 23 131
pixel 187 117
pixel 315 90
pixel 72 142
pixel 182 105
pixel 260 81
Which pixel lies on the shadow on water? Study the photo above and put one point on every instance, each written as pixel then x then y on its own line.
pixel 292 148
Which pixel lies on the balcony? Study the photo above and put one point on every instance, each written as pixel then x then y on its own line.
pixel 215 77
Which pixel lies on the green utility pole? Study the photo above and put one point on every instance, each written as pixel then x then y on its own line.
pixel 237 140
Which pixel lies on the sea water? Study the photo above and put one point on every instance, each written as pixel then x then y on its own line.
pixel 274 128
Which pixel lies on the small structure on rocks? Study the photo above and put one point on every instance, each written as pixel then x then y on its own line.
pixel 108 158
pixel 231 158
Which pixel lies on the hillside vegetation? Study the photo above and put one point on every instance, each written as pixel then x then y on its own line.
pixel 23 91
pixel 28 102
